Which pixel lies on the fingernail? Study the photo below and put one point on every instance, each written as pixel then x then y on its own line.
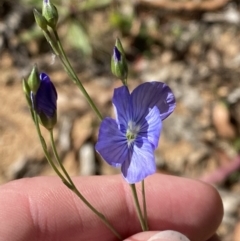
pixel 168 235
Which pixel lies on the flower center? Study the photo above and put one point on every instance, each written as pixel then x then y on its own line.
pixel 132 132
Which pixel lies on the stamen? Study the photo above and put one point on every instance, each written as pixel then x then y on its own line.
pixel 132 132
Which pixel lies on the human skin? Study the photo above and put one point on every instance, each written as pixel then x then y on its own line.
pixel 42 208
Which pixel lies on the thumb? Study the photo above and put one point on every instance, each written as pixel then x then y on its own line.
pixel 167 235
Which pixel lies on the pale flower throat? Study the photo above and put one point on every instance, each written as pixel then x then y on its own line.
pixel 132 132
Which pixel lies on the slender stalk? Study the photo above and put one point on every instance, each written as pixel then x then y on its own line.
pixel 137 206
pixel 100 215
pixel 59 51
pixel 75 77
pixel 47 35
pixel 69 183
pixel 58 159
pixel 75 190
pixel 44 147
pixel 144 205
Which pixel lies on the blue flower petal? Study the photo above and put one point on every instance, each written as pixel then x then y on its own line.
pixel 141 163
pixel 121 103
pixel 152 94
pixel 112 143
pixel 151 127
pixel 46 97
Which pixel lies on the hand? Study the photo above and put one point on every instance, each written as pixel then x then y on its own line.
pixel 42 209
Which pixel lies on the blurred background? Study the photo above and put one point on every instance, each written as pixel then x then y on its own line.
pixel 192 45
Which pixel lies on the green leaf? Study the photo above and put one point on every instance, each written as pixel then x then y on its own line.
pixel 78 38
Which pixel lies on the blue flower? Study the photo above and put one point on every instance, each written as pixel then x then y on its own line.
pixel 130 140
pixel 45 100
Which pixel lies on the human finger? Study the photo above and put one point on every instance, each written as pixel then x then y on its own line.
pixel 43 208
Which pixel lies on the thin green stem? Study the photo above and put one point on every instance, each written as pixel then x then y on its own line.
pixel 100 215
pixel 47 35
pixel 58 159
pixel 75 190
pixel 74 76
pixel 58 52
pixel 44 147
pixel 144 205
pixel 137 206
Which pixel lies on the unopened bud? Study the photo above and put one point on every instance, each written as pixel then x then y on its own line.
pixel 45 102
pixel 119 63
pixel 50 13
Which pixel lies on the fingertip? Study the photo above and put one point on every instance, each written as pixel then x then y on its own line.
pixel 214 205
pixel 192 207
pixel 158 236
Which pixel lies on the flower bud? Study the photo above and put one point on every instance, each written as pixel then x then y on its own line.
pixel 119 63
pixel 45 102
pixel 40 20
pixel 33 80
pixel 50 13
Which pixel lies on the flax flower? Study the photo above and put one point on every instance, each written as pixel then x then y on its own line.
pixel 130 140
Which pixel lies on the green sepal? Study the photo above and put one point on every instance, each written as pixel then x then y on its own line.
pixel 27 92
pixel 46 121
pixel 118 44
pixel 50 13
pixel 33 80
pixel 40 20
